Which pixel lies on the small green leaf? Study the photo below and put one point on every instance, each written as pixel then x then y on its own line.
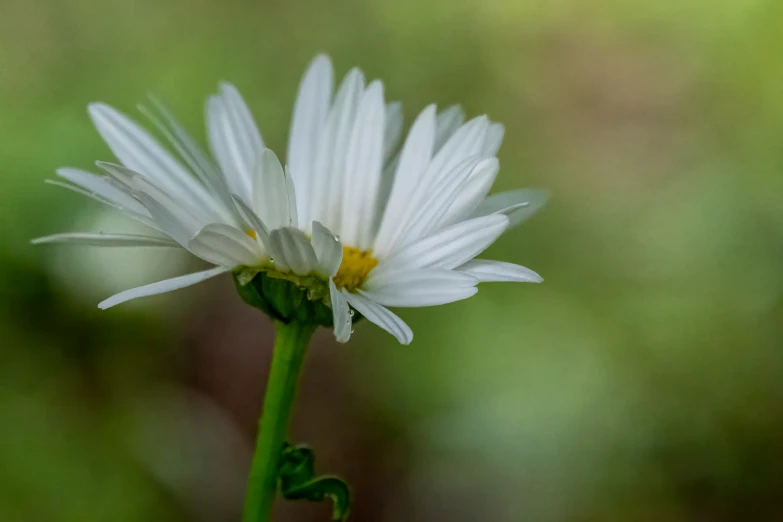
pixel 298 482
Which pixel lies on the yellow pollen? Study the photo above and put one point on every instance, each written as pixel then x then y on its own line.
pixel 250 232
pixel 354 268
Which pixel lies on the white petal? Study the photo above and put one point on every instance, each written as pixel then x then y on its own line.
pixel 176 220
pixel 430 211
pixel 83 192
pixel 518 205
pixel 186 145
pixel 270 191
pixel 382 278
pixel 328 250
pixel 225 149
pixel 381 316
pixel 467 141
pixel 162 287
pixel 414 288
pixel 274 244
pixel 422 296
pixel 485 270
pixel 438 183
pixel 227 246
pixel 493 139
pixel 191 152
pixel 363 169
pixel 119 174
pixel 242 118
pixel 326 192
pixel 393 131
pixel 452 246
pixel 132 181
pixel 103 187
pixel 414 160
pixel 234 138
pixel 310 112
pixel 384 190
pixel 341 313
pixel 179 228
pixel 145 218
pixel 449 120
pixel 473 191
pixel 260 228
pixel 108 240
pixel 293 211
pixel 294 249
pixel 187 213
pixel 139 151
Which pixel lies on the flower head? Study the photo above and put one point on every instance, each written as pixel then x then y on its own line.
pixel 356 222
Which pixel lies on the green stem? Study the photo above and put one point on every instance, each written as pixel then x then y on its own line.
pixel 289 351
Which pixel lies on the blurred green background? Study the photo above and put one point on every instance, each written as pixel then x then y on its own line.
pixel 642 381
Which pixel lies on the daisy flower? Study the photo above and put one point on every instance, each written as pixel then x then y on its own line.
pixel 356 222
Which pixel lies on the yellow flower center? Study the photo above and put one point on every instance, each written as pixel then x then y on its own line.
pixel 354 268
pixel 252 233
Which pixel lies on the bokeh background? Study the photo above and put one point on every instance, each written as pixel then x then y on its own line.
pixel 642 381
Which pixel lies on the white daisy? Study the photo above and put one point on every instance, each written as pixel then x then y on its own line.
pixel 354 221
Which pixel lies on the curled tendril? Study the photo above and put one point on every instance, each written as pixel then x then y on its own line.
pixel 298 481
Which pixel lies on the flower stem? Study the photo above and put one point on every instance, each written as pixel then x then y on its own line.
pixel 289 351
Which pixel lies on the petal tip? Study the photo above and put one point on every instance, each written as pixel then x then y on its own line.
pixel 227 87
pixel 98 109
pixel 321 59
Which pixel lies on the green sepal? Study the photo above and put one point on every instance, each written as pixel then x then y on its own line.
pixel 285 300
pixel 287 297
pixel 251 295
pixel 298 482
